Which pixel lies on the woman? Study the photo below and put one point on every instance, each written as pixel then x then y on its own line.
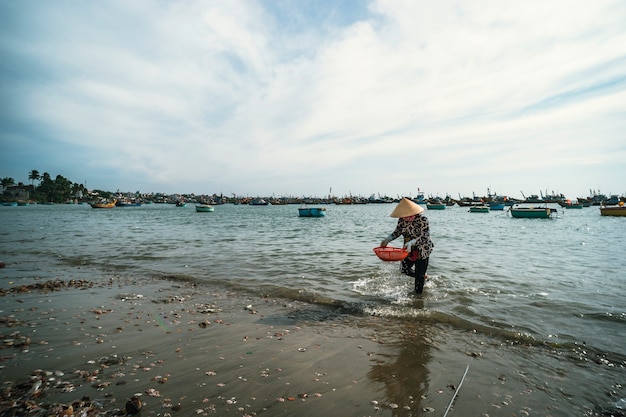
pixel 416 231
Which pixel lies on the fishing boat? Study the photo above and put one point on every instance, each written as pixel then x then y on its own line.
pixel 204 208
pixel 343 201
pixel 311 212
pixel 531 212
pixel 479 209
pixel 474 200
pixel 496 206
pixel 10 203
pixel 128 204
pixel 568 204
pixel 619 211
pixel 103 204
pixel 420 199
pixel 259 202
pixel 441 206
pixel 448 201
pixel 435 204
pixel 181 204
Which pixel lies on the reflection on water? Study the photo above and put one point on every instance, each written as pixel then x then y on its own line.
pixel 405 376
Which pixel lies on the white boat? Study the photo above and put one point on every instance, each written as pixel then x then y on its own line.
pixel 204 207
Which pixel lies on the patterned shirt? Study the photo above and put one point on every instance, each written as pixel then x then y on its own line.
pixel 419 229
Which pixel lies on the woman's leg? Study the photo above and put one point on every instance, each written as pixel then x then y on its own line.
pixel 406 266
pixel 421 265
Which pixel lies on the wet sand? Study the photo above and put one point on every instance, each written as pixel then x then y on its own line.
pixel 188 350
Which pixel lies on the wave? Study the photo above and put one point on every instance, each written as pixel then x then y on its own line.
pixel 608 316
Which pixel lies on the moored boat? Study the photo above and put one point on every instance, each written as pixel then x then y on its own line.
pixel 259 202
pixel 435 204
pixel 204 208
pixel 311 212
pixel 128 204
pixel 479 209
pixel 532 212
pixel 496 206
pixel 103 204
pixel 573 204
pixel 465 202
pixel 618 211
pixel 420 199
pixel 448 201
pixel 343 201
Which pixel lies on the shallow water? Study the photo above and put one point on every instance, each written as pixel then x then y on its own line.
pixel 557 283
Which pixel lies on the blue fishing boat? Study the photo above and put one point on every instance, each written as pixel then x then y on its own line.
pixel 420 199
pixel 311 212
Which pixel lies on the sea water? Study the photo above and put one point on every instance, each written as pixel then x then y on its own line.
pixel 556 282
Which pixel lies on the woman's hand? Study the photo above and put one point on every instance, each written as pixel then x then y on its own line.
pixel 408 246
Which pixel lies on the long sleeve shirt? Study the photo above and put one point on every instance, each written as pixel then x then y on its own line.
pixel 419 229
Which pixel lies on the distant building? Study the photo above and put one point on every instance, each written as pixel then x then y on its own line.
pixel 16 193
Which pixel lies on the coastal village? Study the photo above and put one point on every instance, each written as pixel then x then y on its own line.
pixel 61 190
pixel 27 194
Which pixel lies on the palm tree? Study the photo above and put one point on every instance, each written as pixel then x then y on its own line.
pixel 34 176
pixel 7 182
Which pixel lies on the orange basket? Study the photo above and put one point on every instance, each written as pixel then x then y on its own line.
pixel 390 254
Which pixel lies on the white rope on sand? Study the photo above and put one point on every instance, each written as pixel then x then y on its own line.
pixel 456 391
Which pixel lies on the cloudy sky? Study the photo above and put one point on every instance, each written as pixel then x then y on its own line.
pixel 295 97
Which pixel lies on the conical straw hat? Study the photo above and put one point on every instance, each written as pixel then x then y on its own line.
pixel 406 208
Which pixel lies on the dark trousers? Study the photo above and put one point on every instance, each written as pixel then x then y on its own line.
pixel 417 269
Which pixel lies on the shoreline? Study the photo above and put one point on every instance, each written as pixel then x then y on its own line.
pixel 185 349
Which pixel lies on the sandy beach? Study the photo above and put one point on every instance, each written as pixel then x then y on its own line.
pixel 86 348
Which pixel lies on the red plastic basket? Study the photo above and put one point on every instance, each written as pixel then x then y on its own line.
pixel 390 254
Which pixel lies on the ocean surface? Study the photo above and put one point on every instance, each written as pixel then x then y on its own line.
pixel 557 282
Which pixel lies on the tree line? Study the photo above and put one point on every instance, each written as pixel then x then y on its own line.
pixel 49 190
